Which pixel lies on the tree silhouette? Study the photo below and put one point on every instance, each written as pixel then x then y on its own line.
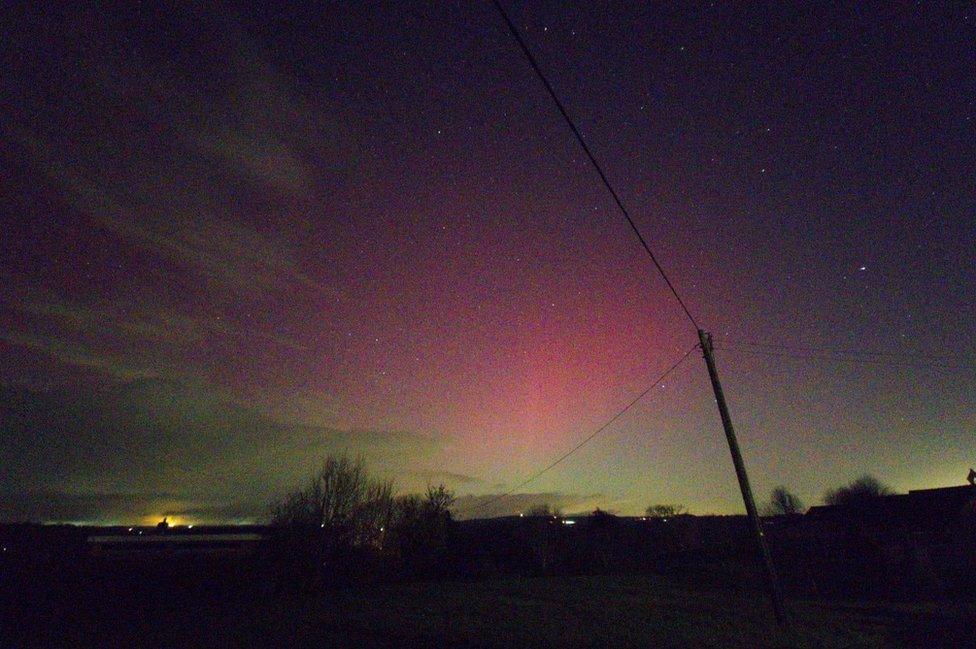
pixel 438 501
pixel 783 502
pixel 540 533
pixel 858 493
pixel 323 532
pixel 665 511
pixel 419 533
pixel 544 509
pixel 342 500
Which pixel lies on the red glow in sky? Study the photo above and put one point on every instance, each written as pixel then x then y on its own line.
pixel 243 239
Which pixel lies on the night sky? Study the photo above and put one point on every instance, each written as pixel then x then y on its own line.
pixel 237 239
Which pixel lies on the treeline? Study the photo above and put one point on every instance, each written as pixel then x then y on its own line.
pixel 783 502
pixel 859 492
pixel 345 525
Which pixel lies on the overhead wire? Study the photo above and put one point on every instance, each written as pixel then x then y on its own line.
pixel 735 342
pixel 589 154
pixel 886 358
pixel 846 357
pixel 485 504
pixel 619 203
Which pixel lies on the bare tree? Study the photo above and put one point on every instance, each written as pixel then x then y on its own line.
pixel 330 530
pixel 860 492
pixel 344 523
pixel 342 501
pixel 420 531
pixel 539 533
pixel 665 511
pixel 782 502
pixel 438 501
pixel 544 509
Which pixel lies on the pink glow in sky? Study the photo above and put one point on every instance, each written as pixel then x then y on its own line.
pixel 236 241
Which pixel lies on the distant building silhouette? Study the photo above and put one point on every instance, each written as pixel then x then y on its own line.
pixel 919 509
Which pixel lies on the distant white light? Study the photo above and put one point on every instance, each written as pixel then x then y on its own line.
pixel 862 268
pixel 569 522
pixel 189 527
pixel 521 514
pixel 130 529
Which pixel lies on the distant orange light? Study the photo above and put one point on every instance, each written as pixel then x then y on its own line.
pixel 173 520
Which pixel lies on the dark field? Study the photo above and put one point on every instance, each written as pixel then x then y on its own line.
pixel 483 585
pixel 619 611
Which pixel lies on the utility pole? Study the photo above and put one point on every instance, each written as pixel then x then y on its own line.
pixel 772 583
pixel 705 338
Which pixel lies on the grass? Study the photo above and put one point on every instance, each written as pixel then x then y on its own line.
pixel 590 611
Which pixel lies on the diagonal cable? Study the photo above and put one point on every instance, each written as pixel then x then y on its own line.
pixel 589 154
pixel 589 438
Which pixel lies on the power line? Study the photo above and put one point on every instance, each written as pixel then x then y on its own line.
pixel 704 338
pixel 837 357
pixel 589 438
pixel 727 342
pixel 586 149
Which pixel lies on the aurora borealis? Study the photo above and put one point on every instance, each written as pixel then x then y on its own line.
pixel 239 238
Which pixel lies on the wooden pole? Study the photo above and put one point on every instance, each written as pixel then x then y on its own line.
pixel 772 583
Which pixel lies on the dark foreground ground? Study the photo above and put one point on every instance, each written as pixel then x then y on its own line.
pixel 584 611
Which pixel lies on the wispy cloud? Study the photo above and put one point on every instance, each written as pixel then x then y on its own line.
pixel 178 224
pixel 139 321
pixel 221 184
pixel 73 354
pixel 168 437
